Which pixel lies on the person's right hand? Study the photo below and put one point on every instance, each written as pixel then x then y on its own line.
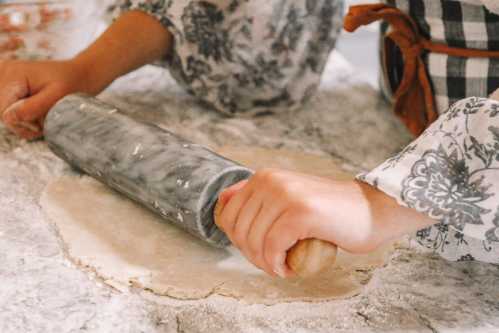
pixel 269 213
pixel 28 90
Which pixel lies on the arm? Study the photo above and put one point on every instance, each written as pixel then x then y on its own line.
pixel 29 89
pixel 134 40
pixel 449 175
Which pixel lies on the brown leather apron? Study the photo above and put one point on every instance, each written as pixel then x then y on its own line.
pixel 413 99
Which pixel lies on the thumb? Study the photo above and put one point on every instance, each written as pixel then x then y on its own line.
pixel 25 117
pixel 29 131
pixel 11 93
pixel 37 106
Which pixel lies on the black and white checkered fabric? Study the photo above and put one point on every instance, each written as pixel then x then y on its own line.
pixel 456 24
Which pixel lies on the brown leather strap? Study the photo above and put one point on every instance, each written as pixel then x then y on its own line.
pixel 414 101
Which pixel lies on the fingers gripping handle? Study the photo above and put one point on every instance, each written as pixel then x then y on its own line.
pixel 306 258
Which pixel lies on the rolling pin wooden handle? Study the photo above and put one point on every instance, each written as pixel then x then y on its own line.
pixel 308 257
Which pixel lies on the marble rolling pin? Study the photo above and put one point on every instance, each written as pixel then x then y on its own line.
pixel 177 179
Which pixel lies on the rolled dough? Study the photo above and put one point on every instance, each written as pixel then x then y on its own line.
pixel 126 245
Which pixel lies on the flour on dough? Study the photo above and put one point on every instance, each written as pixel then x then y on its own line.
pixel 126 245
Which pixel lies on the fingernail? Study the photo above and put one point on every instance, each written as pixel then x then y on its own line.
pixel 280 273
pixel 278 266
pixel 29 127
pixel 12 119
pixel 10 114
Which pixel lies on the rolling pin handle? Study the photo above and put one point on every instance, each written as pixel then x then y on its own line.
pixel 308 257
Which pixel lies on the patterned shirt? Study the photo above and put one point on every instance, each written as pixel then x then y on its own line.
pixel 244 56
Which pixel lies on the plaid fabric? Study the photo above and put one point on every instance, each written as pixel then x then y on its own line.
pixel 456 24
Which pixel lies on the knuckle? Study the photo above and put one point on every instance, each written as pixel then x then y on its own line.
pixel 278 182
pixel 283 190
pixel 266 174
pixel 286 191
pixel 304 206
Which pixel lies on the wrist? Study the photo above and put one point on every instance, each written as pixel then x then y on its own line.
pixel 89 77
pixel 381 215
pixel 349 221
pixel 389 219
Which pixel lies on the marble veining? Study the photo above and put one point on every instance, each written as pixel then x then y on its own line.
pixel 178 180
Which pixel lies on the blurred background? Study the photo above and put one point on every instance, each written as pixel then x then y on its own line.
pixel 58 29
pixel 361 48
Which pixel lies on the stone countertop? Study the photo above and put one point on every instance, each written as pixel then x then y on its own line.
pixel 41 291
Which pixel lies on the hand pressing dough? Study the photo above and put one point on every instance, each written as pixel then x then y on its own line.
pixel 126 245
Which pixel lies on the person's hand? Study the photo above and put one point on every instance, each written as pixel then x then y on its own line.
pixel 29 89
pixel 265 216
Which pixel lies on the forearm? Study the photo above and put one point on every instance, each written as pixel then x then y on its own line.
pixel 135 39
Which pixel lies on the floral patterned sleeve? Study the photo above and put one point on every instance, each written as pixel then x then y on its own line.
pixel 247 56
pixel 451 173
pixel 155 8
